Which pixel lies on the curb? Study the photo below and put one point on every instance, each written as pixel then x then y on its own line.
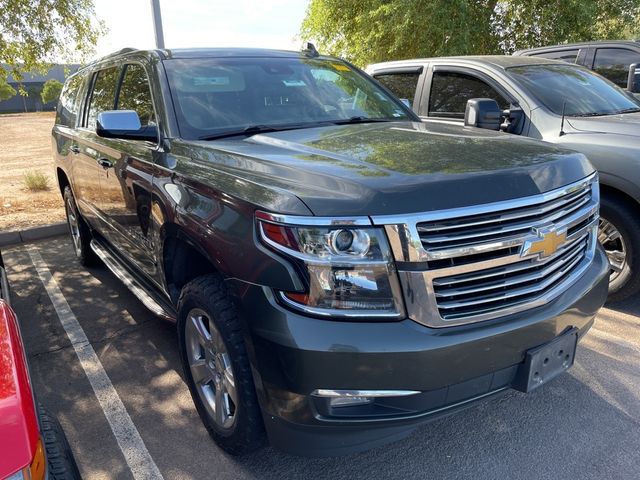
pixel 30 234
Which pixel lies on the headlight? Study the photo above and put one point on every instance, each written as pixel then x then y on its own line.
pixel 350 270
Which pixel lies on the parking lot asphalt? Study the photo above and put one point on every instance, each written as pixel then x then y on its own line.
pixel 583 425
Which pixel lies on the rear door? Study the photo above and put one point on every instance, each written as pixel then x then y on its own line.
pixel 127 181
pixel 613 63
pixel 65 144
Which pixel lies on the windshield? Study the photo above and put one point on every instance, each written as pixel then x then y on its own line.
pixel 216 95
pixel 585 92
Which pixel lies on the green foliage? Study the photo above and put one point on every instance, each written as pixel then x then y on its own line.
pixel 34 32
pixel 51 90
pixel 6 90
pixel 36 181
pixel 366 31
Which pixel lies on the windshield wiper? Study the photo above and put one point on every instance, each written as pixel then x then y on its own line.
pixel 251 130
pixel 589 114
pixel 629 110
pixel 353 120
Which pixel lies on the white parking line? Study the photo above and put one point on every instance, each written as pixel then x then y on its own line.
pixel 129 440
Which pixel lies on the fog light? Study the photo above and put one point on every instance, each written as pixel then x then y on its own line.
pixel 345 398
pixel 349 401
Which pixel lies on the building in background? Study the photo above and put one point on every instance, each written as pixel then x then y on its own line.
pixel 33 84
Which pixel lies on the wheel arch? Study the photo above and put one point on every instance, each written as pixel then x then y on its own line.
pixel 610 191
pixel 63 180
pixel 183 259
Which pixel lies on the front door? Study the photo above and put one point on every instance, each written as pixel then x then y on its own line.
pixel 128 174
pixel 87 171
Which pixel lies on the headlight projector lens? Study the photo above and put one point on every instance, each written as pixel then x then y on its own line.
pixel 352 242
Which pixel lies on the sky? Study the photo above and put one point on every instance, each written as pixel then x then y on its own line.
pixel 202 23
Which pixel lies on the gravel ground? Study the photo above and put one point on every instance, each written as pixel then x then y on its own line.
pixel 25 145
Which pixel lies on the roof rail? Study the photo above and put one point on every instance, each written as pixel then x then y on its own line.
pixel 114 54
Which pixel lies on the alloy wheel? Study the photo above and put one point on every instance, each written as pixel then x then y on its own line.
pixel 74 227
pixel 210 367
pixel 613 243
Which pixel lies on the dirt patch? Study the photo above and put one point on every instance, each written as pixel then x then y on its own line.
pixel 25 144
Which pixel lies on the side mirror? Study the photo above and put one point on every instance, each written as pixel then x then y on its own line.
pixel 633 82
pixel 483 113
pixel 124 124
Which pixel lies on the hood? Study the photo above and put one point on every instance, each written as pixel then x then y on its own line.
pixel 391 168
pixel 623 124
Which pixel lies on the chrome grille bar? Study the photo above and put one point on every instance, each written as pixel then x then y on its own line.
pixel 509 228
pixel 515 280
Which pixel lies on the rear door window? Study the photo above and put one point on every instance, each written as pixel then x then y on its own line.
pixel 135 94
pixel 403 85
pixel 613 63
pixel 569 56
pixel 451 90
pixel 103 95
pixel 67 110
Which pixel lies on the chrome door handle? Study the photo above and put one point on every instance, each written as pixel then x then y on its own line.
pixel 74 149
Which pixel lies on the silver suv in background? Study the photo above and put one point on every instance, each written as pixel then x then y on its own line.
pixel 549 100
pixel 610 58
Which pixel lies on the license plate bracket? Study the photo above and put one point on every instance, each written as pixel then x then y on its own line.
pixel 544 363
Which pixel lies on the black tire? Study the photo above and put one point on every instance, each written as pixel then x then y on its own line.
pixel 81 242
pixel 624 219
pixel 60 462
pixel 208 294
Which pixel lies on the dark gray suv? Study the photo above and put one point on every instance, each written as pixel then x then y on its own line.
pixel 339 272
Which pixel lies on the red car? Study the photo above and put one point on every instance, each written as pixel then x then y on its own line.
pixel 32 443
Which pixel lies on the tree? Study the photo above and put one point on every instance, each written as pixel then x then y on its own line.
pixel 34 33
pixel 6 91
pixel 51 90
pixel 366 31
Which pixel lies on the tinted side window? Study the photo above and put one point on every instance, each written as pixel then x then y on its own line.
pixel 451 90
pixel 67 110
pixel 568 56
pixel 103 96
pixel 613 63
pixel 135 94
pixel 403 85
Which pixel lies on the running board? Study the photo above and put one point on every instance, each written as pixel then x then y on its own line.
pixel 160 308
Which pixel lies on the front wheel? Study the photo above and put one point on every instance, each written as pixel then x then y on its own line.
pixel 216 366
pixel 79 230
pixel 619 235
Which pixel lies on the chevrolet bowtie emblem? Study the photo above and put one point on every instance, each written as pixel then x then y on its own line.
pixel 547 242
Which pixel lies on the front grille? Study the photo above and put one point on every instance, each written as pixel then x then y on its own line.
pixel 494 289
pixel 494 260
pixel 452 238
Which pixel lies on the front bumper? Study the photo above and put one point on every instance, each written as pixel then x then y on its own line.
pixel 293 355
